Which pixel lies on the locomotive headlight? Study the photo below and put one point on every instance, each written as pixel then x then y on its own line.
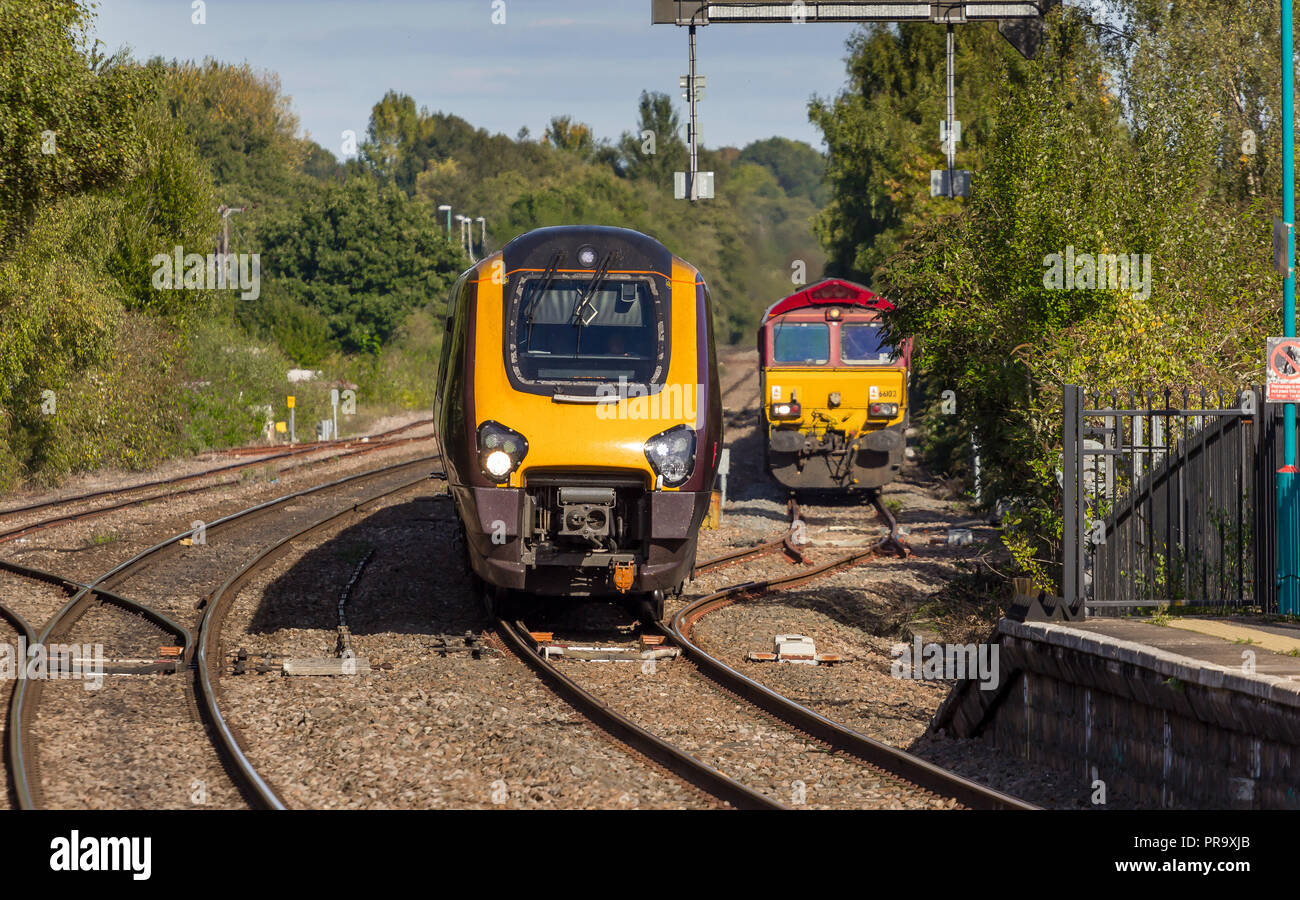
pixel 882 410
pixel 672 454
pixel 498 464
pixel 788 410
pixel 587 257
pixel 500 450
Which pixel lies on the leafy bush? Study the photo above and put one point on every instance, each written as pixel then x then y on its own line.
pixel 1069 158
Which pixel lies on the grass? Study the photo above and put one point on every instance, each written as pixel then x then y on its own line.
pixel 1161 616
pixel 259 473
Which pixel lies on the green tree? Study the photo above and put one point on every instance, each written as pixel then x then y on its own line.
pixel 1090 148
pixel 882 133
pixel 95 179
pixel 354 258
pixel 241 124
pixel 656 150
pixel 68 119
pixel 749 241
pixel 563 133
pixel 798 168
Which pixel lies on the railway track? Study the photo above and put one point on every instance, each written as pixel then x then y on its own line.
pixel 907 774
pixel 742 379
pixel 309 446
pixel 787 542
pixel 624 731
pixel 210 660
pixel 350 448
pixel 88 600
pixel 205 653
pixel 14 622
pixel 879 756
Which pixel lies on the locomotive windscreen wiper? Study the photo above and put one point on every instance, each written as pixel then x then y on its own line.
pixel 547 277
pixel 584 300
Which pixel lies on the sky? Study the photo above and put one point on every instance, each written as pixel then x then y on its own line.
pixel 589 59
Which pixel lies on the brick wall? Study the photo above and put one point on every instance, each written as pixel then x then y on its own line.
pixel 1160 730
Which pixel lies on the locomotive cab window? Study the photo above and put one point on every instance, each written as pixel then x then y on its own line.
pixel 801 343
pixel 864 344
pixel 566 332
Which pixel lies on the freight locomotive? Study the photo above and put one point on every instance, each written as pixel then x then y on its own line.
pixel 579 415
pixel 834 389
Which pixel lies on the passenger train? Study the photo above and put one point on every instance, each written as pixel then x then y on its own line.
pixel 579 415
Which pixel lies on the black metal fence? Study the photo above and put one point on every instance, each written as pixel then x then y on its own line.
pixel 1169 499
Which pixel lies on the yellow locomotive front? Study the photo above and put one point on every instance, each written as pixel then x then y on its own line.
pixel 583 440
pixel 834 390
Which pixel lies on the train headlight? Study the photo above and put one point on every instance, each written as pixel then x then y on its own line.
pixel 500 450
pixel 498 464
pixel 882 410
pixel 672 454
pixel 787 410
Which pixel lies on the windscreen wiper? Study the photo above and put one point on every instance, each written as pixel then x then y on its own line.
pixel 547 277
pixel 584 300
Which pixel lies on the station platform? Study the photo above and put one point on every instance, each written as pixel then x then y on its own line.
pixel 1191 712
pixel 1219 641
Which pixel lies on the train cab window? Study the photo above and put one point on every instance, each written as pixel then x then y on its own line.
pixel 801 343
pixel 564 335
pixel 864 344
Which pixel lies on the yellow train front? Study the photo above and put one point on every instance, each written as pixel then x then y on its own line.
pixel 579 415
pixel 834 390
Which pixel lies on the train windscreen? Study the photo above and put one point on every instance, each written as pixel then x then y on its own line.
pixel 569 333
pixel 864 344
pixel 801 343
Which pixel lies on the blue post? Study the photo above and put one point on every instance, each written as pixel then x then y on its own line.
pixel 1288 504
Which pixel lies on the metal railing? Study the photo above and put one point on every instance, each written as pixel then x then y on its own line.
pixel 1168 499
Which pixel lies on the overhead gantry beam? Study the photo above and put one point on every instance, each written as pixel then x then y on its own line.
pixel 707 12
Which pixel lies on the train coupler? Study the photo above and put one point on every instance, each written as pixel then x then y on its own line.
pixel 624 575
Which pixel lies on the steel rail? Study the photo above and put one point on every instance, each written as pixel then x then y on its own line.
pixel 21 625
pixel 308 446
pixel 208 660
pixel 888 759
pixel 682 764
pixel 737 555
pixel 299 450
pixel 67 518
pixel 785 541
pixel 20 712
pixel 72 588
pixel 16 761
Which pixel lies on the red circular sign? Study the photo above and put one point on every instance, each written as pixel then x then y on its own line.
pixel 1284 361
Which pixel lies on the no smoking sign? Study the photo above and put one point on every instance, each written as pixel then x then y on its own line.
pixel 1283 372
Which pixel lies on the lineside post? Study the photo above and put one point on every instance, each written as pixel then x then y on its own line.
pixel 1070 536
pixel 1288 503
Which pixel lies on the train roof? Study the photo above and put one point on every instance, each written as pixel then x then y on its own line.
pixel 632 250
pixel 831 292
